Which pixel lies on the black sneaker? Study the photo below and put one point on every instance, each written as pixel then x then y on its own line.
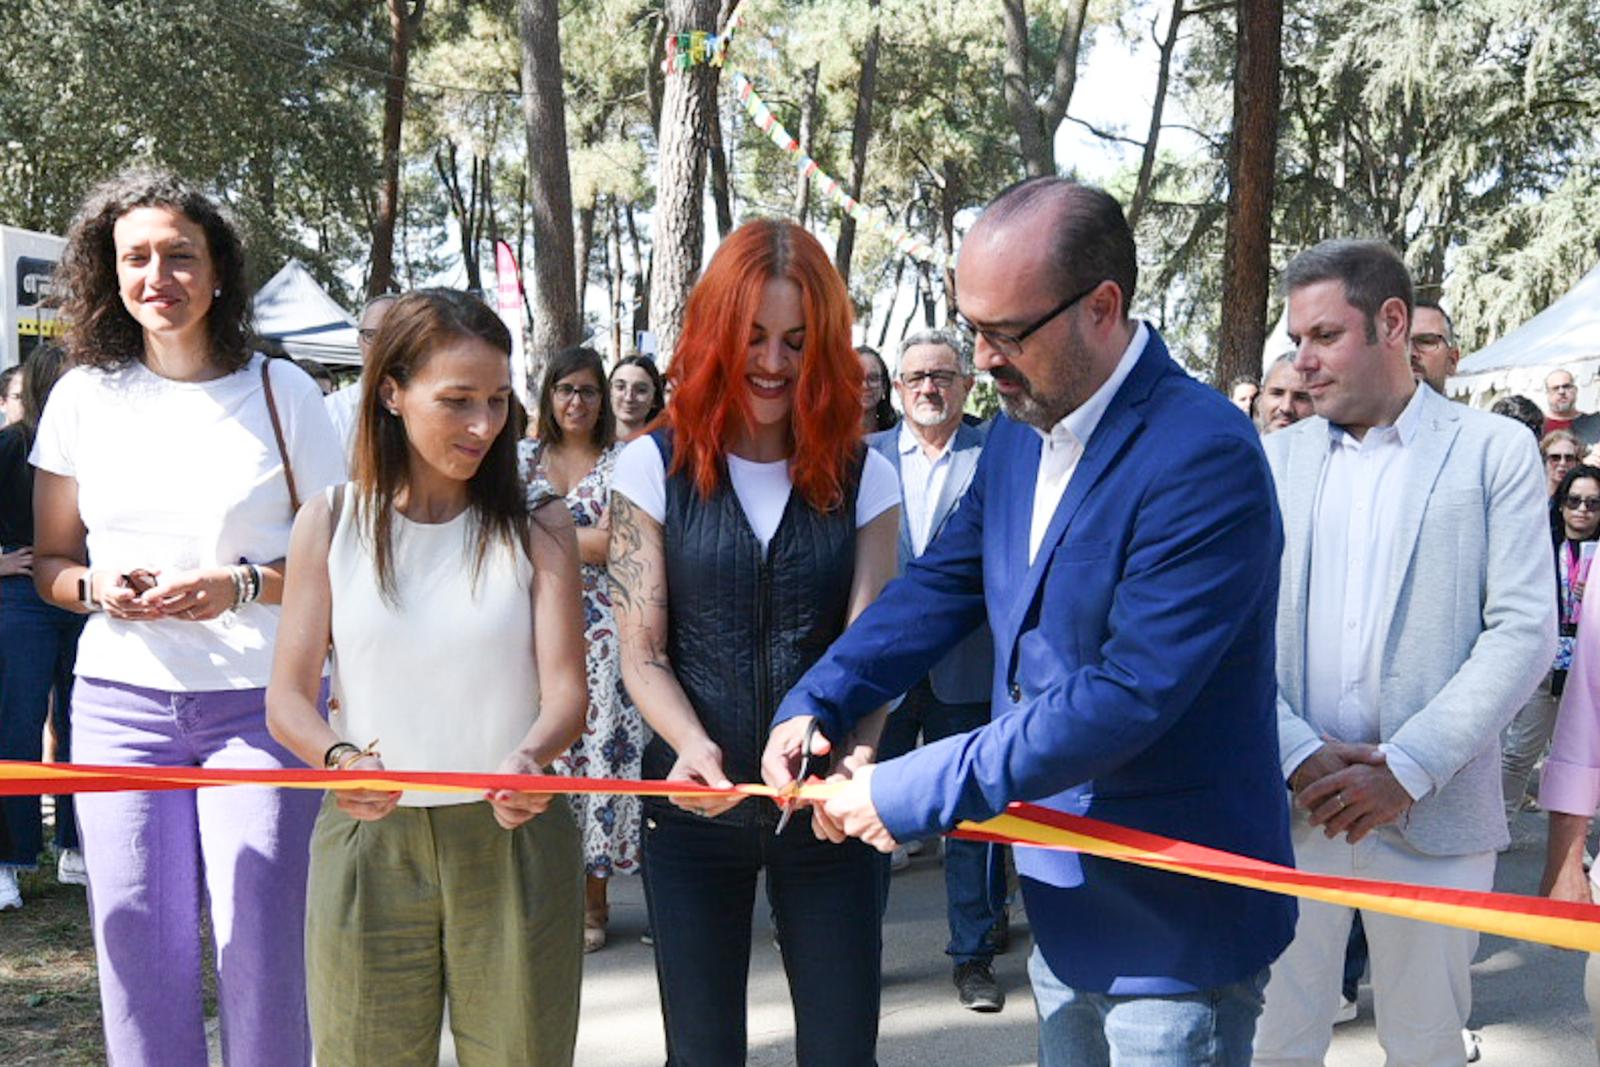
pixel 976 988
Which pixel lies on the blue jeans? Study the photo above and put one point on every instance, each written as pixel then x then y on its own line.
pixel 38 645
pixel 974 872
pixel 700 884
pixel 1211 1028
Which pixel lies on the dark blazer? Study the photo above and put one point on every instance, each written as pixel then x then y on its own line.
pixel 966 673
pixel 1134 680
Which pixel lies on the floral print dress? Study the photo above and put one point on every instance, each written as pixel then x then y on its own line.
pixel 613 733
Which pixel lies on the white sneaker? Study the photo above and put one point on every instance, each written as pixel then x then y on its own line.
pixel 1348 1009
pixel 1472 1043
pixel 70 869
pixel 10 895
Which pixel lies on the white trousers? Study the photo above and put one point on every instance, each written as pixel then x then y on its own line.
pixel 1421 982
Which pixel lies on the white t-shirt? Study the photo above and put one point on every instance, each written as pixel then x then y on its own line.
pixel 178 475
pixel 762 488
pixel 344 409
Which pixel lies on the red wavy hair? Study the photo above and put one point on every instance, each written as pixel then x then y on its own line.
pixel 710 399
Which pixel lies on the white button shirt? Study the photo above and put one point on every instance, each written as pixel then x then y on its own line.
pixel 922 482
pixel 1064 444
pixel 1353 547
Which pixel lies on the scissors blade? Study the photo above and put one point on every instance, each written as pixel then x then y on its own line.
pixel 789 794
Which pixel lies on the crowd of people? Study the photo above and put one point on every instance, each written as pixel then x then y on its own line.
pixel 754 569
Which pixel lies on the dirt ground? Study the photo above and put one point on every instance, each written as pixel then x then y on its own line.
pixel 49 1002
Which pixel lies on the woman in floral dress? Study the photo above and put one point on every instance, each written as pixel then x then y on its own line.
pixel 572 458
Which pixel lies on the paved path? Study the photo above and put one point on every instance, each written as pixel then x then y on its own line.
pixel 1528 1000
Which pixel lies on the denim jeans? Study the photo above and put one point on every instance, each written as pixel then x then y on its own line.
pixel 1210 1028
pixel 38 645
pixel 974 871
pixel 700 883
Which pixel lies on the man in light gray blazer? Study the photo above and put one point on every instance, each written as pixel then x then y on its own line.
pixel 935 453
pixel 1414 619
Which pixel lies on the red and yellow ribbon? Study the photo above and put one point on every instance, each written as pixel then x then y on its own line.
pixel 1564 925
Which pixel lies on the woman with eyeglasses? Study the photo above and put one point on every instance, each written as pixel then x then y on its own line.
pixel 877 413
pixel 1577 504
pixel 1562 451
pixel 573 458
pixel 636 397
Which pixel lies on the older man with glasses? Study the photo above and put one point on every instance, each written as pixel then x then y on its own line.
pixel 344 404
pixel 935 454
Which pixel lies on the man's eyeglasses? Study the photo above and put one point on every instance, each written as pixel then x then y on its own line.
pixel 586 393
pixel 1428 342
pixel 1009 345
pixel 942 379
pixel 1581 503
pixel 1555 458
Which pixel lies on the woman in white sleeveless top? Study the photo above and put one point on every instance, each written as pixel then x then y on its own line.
pixel 456 629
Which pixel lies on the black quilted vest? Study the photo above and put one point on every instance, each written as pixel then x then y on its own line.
pixel 743 628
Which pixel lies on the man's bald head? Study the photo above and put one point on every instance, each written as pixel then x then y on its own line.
pixel 1087 235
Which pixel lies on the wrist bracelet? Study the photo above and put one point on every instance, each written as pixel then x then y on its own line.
pixel 336 751
pixel 86 590
pixel 361 753
pixel 257 582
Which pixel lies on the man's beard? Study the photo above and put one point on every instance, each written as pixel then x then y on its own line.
pixel 926 415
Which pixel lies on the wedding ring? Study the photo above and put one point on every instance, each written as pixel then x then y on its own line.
pixel 1342 802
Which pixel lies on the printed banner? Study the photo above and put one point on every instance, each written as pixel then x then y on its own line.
pixel 1564 925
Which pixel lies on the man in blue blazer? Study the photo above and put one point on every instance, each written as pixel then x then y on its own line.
pixel 1122 539
pixel 935 453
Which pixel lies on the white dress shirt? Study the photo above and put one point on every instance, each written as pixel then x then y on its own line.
pixel 1353 543
pixel 922 482
pixel 1064 444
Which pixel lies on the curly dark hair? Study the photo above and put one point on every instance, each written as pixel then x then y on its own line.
pixel 102 332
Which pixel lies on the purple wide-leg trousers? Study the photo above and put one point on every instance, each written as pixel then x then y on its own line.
pixel 149 856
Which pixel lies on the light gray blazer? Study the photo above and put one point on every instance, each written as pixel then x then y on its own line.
pixel 965 675
pixel 1470 626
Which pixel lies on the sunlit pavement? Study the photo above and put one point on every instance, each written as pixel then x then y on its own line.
pixel 1528 1000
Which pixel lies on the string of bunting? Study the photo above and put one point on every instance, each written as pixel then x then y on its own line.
pixel 1550 922
pixel 830 186
pixel 685 50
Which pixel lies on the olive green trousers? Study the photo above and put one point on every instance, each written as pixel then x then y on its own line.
pixel 430 904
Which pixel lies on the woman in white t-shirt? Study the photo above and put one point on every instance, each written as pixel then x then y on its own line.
pixel 456 625
pixel 163 504
pixel 744 538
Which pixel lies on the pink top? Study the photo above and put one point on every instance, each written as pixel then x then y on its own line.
pixel 1570 781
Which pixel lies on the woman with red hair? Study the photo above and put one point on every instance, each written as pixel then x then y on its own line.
pixel 745 535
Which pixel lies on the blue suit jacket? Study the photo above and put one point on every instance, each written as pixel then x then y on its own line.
pixel 966 673
pixel 1134 680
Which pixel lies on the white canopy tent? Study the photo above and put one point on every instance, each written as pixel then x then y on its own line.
pixel 1564 335
pixel 297 312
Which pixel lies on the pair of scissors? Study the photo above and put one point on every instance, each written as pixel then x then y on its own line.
pixel 789 794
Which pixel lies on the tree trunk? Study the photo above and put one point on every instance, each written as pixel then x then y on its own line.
pixel 1247 250
pixel 808 122
pixel 556 321
pixel 1147 159
pixel 618 269
pixel 584 255
pixel 641 277
pixel 1036 123
pixel 687 102
pixel 403 29
pixel 860 133
pixel 721 193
